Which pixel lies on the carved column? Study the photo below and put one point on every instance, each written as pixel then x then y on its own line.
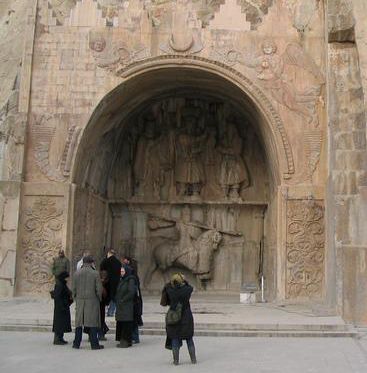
pixel 43 232
pixel 305 249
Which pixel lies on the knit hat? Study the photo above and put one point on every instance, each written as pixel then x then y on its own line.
pixel 177 279
pixel 88 259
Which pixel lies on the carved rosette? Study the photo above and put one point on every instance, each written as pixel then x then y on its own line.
pixel 42 226
pixel 305 246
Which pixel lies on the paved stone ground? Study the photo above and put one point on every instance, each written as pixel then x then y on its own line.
pixel 34 353
pixel 208 309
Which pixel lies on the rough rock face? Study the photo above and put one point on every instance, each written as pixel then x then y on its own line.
pixel 341 20
pixel 348 155
pixel 13 16
pixel 12 26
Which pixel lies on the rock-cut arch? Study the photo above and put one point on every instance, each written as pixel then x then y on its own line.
pixel 153 77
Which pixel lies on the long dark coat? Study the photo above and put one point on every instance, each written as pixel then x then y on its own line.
pixel 180 294
pixel 87 292
pixel 125 294
pixel 62 300
pixel 113 267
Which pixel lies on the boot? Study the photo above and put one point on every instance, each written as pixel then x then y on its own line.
pixel 192 354
pixel 123 344
pixel 58 341
pixel 176 354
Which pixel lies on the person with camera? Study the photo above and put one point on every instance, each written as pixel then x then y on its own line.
pixel 179 320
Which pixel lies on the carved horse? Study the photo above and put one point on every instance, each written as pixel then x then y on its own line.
pixel 197 258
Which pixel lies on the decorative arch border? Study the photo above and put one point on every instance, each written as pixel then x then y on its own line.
pixel 243 82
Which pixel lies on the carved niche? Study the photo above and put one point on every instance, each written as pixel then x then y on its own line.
pixel 305 249
pixel 41 241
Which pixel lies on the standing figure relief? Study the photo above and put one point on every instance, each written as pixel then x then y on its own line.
pixel 232 174
pixel 146 164
pixel 185 157
pixel 189 171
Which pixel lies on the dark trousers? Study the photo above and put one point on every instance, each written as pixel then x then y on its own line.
pixel 92 336
pixel 59 336
pixel 177 342
pixel 104 328
pixel 124 331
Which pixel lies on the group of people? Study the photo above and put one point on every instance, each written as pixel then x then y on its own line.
pixel 116 285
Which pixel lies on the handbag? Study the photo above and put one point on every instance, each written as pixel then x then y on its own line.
pixel 173 316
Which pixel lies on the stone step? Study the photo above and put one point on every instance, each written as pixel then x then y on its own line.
pixel 213 332
pixel 258 326
pixel 261 333
pixel 207 326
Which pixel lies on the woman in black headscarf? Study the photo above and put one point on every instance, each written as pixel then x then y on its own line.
pixel 62 301
pixel 176 294
pixel 125 295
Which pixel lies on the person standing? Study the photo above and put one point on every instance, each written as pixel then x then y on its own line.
pixel 113 267
pixel 125 295
pixel 176 294
pixel 87 292
pixel 62 300
pixel 80 262
pixel 60 264
pixel 105 301
pixel 138 299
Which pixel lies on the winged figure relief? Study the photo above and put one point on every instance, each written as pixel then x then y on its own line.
pixel 271 70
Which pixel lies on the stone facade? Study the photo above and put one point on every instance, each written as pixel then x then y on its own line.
pixel 224 138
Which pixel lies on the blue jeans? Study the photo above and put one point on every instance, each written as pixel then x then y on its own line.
pixel 135 334
pixel 177 343
pixel 111 308
pixel 92 336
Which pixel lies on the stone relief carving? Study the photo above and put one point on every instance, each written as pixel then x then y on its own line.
pixel 189 171
pixel 302 12
pixel 233 173
pixel 226 55
pixel 186 150
pixel 114 56
pixel 12 132
pixel 243 80
pixel 186 30
pixel 147 162
pixel 49 135
pixel 312 147
pixel 193 249
pixel 305 245
pixel 42 224
pixel 222 49
pixel 271 72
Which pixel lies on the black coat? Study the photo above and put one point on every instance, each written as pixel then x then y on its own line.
pixel 62 301
pixel 180 294
pixel 125 295
pixel 113 267
pixel 138 303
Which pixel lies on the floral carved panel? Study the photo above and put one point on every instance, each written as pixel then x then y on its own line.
pixel 42 227
pixel 305 245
